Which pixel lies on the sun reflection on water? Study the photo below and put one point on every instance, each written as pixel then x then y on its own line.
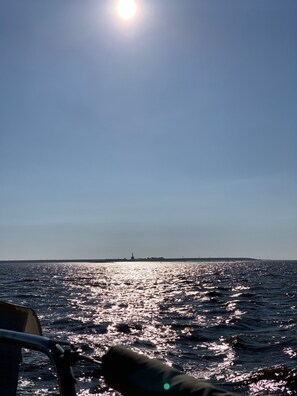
pixel 214 321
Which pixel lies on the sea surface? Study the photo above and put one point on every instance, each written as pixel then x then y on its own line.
pixel 232 323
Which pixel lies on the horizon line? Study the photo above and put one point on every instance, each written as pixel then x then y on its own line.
pixel 157 259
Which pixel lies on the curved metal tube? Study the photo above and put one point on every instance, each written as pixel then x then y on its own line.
pixel 62 357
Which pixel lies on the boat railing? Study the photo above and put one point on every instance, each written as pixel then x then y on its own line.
pixel 63 355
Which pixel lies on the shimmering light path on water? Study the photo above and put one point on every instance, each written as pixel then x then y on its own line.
pixel 232 323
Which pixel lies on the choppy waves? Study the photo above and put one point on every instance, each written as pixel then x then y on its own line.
pixel 232 323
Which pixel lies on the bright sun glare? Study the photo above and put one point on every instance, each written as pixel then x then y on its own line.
pixel 127 9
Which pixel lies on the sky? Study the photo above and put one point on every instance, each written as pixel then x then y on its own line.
pixel 172 134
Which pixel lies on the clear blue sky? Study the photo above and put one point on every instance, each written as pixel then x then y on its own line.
pixel 173 134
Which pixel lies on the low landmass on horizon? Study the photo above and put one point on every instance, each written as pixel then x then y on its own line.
pixel 141 259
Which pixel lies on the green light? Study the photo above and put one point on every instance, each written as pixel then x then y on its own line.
pixel 166 386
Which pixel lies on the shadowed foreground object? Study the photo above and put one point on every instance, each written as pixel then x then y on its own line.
pixel 17 318
pixel 125 371
pixel 134 375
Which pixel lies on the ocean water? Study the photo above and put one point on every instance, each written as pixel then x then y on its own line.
pixel 232 323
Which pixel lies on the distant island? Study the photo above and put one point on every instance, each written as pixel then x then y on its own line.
pixel 133 259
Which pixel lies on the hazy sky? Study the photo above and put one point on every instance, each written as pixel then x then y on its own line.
pixel 172 134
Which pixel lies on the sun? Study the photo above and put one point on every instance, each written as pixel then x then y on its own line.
pixel 127 9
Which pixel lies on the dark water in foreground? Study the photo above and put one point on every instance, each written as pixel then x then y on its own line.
pixel 232 323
